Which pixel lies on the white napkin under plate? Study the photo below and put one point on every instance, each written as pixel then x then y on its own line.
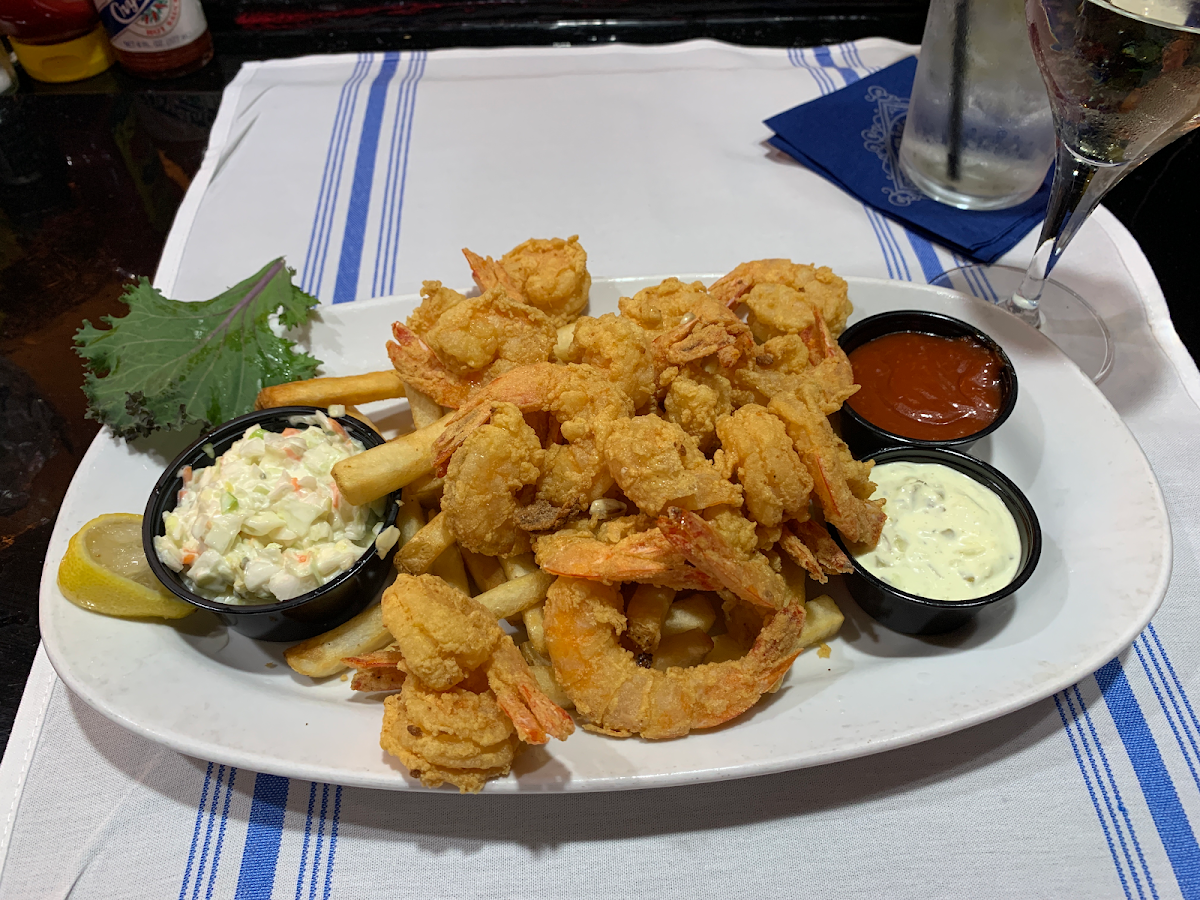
pixel 369 173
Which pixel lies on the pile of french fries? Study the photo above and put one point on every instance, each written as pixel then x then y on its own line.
pixel 514 589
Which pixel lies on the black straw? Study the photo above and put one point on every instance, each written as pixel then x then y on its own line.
pixel 958 67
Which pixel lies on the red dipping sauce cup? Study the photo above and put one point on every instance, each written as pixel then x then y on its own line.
pixel 864 436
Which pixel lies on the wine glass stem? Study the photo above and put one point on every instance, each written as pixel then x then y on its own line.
pixel 1076 190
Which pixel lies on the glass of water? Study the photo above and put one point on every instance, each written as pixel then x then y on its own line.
pixel 979 133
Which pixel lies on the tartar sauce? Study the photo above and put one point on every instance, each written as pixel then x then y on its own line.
pixel 947 537
pixel 265 522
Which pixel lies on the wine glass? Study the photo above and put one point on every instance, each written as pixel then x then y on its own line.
pixel 1123 78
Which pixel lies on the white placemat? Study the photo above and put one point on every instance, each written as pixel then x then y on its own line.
pixel 369 173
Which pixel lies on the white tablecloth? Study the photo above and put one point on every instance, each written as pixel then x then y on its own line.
pixel 369 173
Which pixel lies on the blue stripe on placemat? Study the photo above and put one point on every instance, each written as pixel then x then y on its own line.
pixel 1109 783
pixel 389 179
pixel 395 242
pixel 212 819
pixel 825 59
pixel 1190 724
pixel 1169 817
pixel 1091 788
pixel 823 79
pixel 216 864
pixel 931 266
pixel 1101 774
pixel 331 176
pixel 316 866
pixel 312 799
pixel 1168 701
pixel 333 835
pixel 187 871
pixel 264 833
pixel 387 244
pixel 345 287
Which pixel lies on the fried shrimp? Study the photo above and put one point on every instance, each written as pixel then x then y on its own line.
pixel 620 348
pixel 841 483
pixel 584 621
pixel 457 736
pixel 470 343
pixel 742 570
pixel 818 287
pixel 646 557
pixel 549 274
pixel 657 463
pixel 483 479
pixel 663 306
pixel 579 398
pixel 436 299
pixel 760 453
pixel 680 445
pixel 445 637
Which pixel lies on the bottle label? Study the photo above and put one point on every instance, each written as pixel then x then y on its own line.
pixel 151 26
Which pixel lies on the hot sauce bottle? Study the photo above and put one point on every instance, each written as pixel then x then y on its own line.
pixel 56 40
pixel 157 38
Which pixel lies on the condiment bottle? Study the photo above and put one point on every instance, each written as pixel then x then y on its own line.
pixel 56 40
pixel 157 38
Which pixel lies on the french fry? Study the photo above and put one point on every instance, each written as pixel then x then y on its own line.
pixel 683 650
pixel 426 490
pixel 378 680
pixel 822 620
pixel 376 472
pixel 689 614
pixel 322 655
pixel 348 390
pixel 724 649
pixel 517 595
pixel 517 566
pixel 486 571
pixel 418 555
pixel 647 610
pixel 410 520
pixel 449 567
pixel 362 417
pixel 425 410
pixel 550 687
pixel 563 341
pixel 534 620
pixel 532 655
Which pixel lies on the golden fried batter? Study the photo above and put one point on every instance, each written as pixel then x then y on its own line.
pixel 619 347
pixel 479 499
pixel 657 463
pixel 474 335
pixel 549 274
pixel 820 288
pixel 456 736
pixel 762 456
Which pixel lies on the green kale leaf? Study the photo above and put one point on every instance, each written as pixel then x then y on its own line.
pixel 168 363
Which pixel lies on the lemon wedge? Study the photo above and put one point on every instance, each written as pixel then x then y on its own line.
pixel 105 570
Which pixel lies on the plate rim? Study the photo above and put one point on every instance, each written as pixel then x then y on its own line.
pixel 258 762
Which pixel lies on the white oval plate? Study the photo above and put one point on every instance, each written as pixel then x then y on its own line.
pixel 1105 564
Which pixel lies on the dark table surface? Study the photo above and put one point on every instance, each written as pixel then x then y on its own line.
pixel 91 174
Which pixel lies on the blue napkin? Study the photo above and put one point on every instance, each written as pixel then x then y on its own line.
pixel 852 137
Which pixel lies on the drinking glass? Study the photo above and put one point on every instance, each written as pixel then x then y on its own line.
pixel 1123 78
pixel 978 134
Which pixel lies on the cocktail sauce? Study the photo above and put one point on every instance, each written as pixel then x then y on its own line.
pixel 926 387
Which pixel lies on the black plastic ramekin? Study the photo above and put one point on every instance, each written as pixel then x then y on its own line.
pixel 910 614
pixel 864 436
pixel 288 620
